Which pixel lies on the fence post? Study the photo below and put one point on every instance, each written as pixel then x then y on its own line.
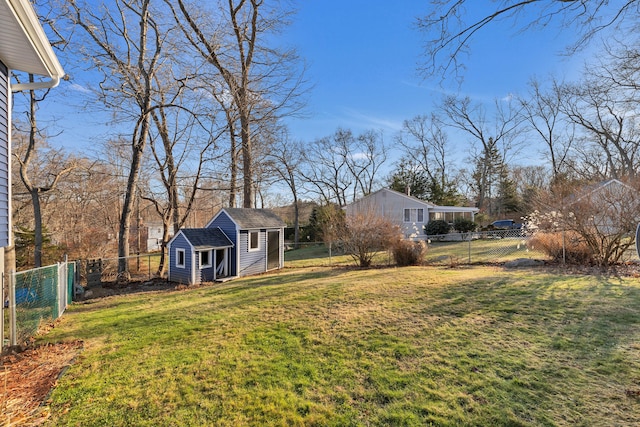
pixel 62 287
pixel 149 265
pixel 564 249
pixel 470 248
pixel 13 331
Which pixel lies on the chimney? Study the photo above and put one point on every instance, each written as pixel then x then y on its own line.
pixel 408 190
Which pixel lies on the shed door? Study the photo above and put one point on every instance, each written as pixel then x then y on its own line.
pixel 273 250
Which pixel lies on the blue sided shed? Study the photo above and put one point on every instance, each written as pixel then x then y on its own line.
pixel 254 244
pixel 199 255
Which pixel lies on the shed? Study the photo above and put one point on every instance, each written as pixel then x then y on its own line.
pixel 236 242
pixel 199 255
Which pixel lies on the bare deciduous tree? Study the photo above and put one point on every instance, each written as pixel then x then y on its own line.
pixel 451 25
pixel 260 80
pixel 284 161
pixel 608 124
pixel 544 113
pixel 342 167
pixel 56 166
pixel 426 143
pixel 125 42
pixel 183 152
pixel 495 140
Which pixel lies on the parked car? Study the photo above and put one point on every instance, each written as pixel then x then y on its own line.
pixel 505 224
pixel 504 228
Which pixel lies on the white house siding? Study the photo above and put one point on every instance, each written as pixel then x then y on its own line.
pixel 5 184
pixel 392 205
pixel 154 236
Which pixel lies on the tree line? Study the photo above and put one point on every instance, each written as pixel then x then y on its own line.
pixel 197 92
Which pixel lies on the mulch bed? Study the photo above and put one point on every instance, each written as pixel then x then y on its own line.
pixel 27 378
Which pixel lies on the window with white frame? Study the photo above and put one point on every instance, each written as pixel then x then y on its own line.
pixel 414 215
pixel 254 240
pixel 180 258
pixel 205 259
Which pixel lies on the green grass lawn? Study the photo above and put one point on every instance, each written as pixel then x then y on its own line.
pixel 347 347
pixel 438 253
pixel 481 251
pixel 318 255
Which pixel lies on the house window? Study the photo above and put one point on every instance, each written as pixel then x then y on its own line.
pixel 205 259
pixel 180 258
pixel 414 215
pixel 254 241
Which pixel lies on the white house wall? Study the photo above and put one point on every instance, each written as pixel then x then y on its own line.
pixel 391 205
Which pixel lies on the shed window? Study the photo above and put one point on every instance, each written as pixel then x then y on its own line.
pixel 254 241
pixel 205 259
pixel 180 258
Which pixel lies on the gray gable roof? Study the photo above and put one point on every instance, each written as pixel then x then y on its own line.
pixel 255 218
pixel 207 238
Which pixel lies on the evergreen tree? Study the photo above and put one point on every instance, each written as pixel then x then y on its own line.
pixel 508 199
pixel 444 195
pixel 410 176
pixel 486 175
pixel 25 241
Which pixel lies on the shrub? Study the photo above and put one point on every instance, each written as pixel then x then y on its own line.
pixel 576 251
pixel 602 217
pixel 463 225
pixel 366 233
pixel 436 227
pixel 406 252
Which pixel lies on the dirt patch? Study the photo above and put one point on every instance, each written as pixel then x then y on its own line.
pixel 26 379
pixel 132 287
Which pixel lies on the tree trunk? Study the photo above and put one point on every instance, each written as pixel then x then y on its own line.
pixel 37 219
pixel 162 266
pixel 247 161
pixel 127 207
pixel 296 222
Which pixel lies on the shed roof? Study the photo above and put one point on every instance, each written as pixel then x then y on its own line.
pixel 207 238
pixel 255 218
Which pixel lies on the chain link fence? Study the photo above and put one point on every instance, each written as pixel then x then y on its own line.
pixel 39 296
pixel 496 246
pixel 97 272
pixel 33 298
pixel 500 246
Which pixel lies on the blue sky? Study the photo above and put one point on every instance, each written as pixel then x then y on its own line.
pixel 363 58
